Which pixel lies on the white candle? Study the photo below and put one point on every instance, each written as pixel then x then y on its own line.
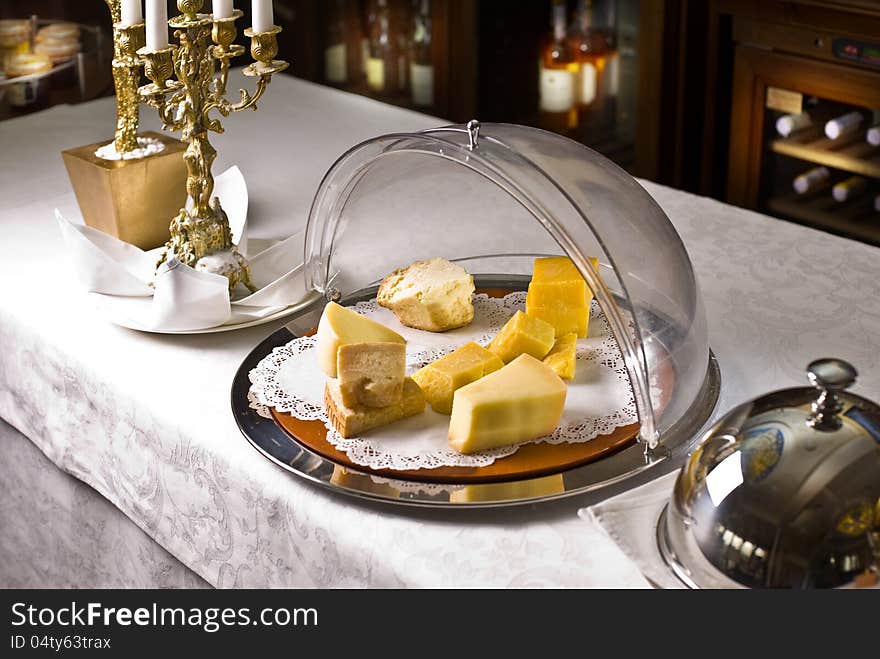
pixel 132 14
pixel 263 19
pixel 157 24
pixel 222 8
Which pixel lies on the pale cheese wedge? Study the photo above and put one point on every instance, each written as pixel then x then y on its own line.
pixel 340 326
pixel 522 401
pixel 371 374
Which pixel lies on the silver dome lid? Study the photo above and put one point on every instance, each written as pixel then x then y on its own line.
pixel 782 492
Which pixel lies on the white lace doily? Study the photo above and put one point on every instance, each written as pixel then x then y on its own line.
pixel 599 398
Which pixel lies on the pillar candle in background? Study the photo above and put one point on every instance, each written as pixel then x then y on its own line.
pixel 222 8
pixel 157 24
pixel 131 12
pixel 263 19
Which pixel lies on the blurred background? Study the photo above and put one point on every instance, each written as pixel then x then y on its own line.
pixel 766 104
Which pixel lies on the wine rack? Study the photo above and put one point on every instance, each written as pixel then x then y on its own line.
pixel 857 157
pixel 763 164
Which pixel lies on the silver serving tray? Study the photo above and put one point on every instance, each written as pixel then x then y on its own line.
pixel 619 471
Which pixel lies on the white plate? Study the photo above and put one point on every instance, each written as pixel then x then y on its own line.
pixel 117 310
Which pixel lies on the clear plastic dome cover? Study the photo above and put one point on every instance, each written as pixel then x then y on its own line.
pixel 494 197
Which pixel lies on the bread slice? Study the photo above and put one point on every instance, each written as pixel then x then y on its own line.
pixel 433 295
pixel 371 374
pixel 357 419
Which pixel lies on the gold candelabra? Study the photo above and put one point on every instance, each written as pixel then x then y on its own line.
pixel 127 40
pixel 186 87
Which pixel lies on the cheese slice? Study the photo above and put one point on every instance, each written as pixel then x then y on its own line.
pixel 339 326
pixel 354 420
pixel 523 334
pixel 371 374
pixel 440 379
pixel 520 402
pixel 562 356
pixel 434 295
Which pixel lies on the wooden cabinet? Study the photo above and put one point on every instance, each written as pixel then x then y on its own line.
pixel 822 55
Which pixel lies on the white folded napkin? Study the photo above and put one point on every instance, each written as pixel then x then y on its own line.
pixel 630 520
pixel 119 275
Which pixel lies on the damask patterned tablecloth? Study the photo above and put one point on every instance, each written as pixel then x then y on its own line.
pixel 145 419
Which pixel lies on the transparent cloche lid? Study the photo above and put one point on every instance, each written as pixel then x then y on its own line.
pixel 782 492
pixel 494 197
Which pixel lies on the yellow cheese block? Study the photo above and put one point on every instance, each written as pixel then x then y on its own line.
pixel 556 280
pixel 559 295
pixel 533 487
pixel 523 334
pixel 433 295
pixel 522 401
pixel 562 356
pixel 340 326
pixel 560 270
pixel 371 374
pixel 571 293
pixel 440 379
pixel 354 420
pixel 564 320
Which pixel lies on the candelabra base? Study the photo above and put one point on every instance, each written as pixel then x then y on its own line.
pixel 205 244
pixel 129 199
pixel 230 264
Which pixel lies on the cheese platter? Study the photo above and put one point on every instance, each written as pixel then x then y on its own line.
pixel 504 317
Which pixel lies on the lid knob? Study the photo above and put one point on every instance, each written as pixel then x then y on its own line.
pixel 473 130
pixel 830 376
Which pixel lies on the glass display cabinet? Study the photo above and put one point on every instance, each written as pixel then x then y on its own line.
pixel 593 70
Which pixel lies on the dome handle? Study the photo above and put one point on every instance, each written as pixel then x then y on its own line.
pixel 473 131
pixel 830 376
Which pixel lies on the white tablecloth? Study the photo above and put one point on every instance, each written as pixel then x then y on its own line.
pixel 58 532
pixel 145 419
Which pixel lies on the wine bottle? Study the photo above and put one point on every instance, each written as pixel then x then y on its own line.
pixel 382 64
pixel 788 124
pixel 421 67
pixel 335 51
pixel 849 188
pixel 811 180
pixel 368 15
pixel 557 77
pixel 400 28
pixel 590 48
pixel 844 125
